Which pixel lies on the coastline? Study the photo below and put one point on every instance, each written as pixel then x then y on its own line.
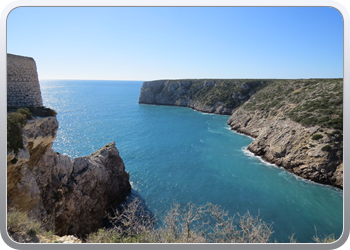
pixel 184 106
pixel 262 157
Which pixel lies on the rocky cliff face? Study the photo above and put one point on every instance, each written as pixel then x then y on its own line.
pixel 297 123
pixel 281 141
pixel 213 96
pixel 67 196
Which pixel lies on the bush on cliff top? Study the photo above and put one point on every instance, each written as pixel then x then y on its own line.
pixel 17 118
pixel 15 121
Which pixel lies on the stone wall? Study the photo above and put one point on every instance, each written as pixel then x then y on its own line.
pixel 23 87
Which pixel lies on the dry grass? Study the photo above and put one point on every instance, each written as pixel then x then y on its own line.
pixel 190 224
pixel 186 224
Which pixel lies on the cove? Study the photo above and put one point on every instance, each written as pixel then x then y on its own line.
pixel 178 155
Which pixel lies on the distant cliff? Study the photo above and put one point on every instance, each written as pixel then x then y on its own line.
pixel 213 96
pixel 297 124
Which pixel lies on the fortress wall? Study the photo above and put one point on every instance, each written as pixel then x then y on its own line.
pixel 23 87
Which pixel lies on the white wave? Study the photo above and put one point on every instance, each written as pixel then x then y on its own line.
pixel 287 175
pixel 250 154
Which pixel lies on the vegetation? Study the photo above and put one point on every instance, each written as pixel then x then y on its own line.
pixel 23 229
pixel 306 101
pixel 17 118
pixel 182 224
pixel 190 224
pixel 19 222
pixel 317 137
pixel 15 121
pixel 326 148
pixel 185 224
pixel 309 102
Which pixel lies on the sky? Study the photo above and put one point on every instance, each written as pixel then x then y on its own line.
pixel 150 43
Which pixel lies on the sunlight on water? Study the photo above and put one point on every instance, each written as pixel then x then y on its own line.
pixel 180 155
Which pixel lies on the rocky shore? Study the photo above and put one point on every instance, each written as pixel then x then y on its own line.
pixel 297 124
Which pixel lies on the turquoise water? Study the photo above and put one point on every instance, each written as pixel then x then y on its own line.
pixel 178 155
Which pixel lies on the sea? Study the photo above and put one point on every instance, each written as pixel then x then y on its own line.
pixel 176 155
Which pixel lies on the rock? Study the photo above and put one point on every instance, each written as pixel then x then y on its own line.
pixel 67 196
pixel 189 93
pixel 287 144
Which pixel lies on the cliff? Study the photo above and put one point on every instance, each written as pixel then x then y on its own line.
pixel 219 96
pixel 67 196
pixel 297 124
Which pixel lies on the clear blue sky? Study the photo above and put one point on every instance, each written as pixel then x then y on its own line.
pixel 148 43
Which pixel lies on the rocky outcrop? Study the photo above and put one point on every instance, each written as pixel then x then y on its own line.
pixel 67 196
pixel 219 96
pixel 281 141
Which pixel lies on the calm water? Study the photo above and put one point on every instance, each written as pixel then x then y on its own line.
pixel 178 155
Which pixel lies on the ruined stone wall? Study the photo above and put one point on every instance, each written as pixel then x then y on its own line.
pixel 23 87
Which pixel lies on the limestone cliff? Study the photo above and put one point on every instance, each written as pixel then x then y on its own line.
pixel 297 123
pixel 219 96
pixel 67 196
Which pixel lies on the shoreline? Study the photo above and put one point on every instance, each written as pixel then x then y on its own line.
pixel 183 106
pixel 266 161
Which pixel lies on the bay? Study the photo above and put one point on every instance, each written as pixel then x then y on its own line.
pixel 178 155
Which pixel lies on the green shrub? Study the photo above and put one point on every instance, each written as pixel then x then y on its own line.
pixel 15 121
pixel 26 112
pixel 326 148
pixel 317 137
pixel 308 121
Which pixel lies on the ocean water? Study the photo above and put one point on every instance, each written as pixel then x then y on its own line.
pixel 178 155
